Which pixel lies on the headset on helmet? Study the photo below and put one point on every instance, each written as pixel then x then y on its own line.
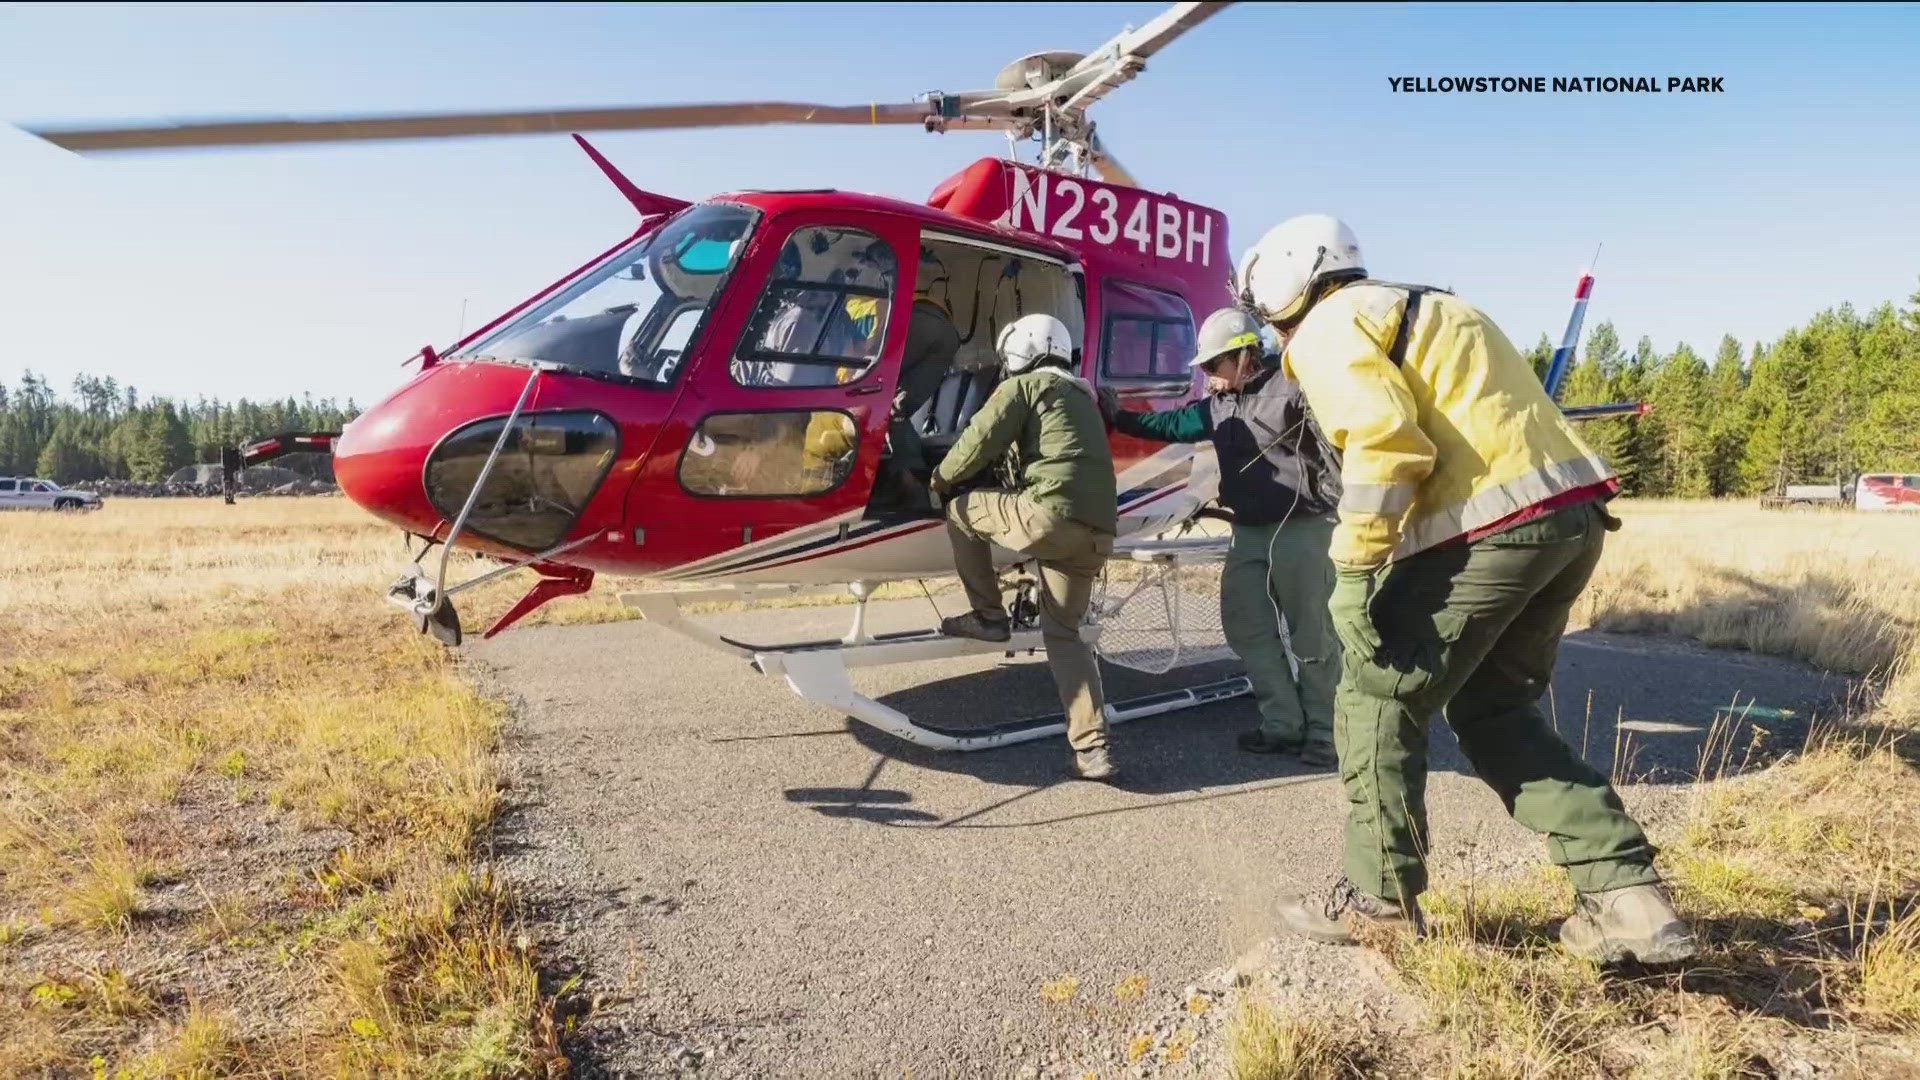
pixel 1031 340
pixel 1286 271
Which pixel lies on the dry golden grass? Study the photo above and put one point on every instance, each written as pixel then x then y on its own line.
pixel 1839 589
pixel 1265 1045
pixel 228 765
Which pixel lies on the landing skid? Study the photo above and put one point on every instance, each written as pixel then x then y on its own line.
pixel 818 670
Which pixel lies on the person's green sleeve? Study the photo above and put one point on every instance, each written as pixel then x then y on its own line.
pixel 1187 425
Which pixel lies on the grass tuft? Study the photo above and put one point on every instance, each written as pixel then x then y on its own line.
pixel 1888 991
pixel 1265 1045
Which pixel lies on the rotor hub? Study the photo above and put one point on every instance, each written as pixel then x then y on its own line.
pixel 1035 70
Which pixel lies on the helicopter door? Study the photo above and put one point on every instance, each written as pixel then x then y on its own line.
pixel 787 425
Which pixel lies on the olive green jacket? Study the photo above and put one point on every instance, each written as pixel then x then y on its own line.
pixel 1049 424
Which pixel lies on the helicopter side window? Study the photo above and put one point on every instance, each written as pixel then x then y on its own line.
pixel 770 454
pixel 641 312
pixel 1147 335
pixel 823 317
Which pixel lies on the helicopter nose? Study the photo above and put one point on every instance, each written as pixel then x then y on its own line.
pixel 418 458
pixel 380 455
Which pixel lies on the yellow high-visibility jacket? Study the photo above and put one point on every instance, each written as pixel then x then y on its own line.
pixel 1458 440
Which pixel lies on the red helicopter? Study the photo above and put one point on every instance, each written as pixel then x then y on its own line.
pixel 708 400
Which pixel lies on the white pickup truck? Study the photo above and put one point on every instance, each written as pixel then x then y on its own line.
pixel 27 493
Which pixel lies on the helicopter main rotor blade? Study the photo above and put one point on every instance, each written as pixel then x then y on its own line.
pixel 458 125
pixel 1107 165
pixel 1168 26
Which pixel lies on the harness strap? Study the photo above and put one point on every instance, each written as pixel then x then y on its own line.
pixel 1397 352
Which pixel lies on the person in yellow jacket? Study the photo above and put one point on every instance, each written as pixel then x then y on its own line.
pixel 1470 519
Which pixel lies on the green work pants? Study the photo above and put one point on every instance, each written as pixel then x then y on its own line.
pixel 1473 629
pixel 1071 556
pixel 1275 570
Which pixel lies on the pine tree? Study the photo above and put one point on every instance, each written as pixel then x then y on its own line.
pixel 176 445
pixel 63 459
pixel 1886 433
pixel 143 443
pixel 1639 461
pixel 1541 357
pixel 1727 429
pixel 18 453
pixel 1591 382
pixel 1678 426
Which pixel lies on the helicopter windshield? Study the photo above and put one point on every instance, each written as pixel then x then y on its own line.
pixel 638 315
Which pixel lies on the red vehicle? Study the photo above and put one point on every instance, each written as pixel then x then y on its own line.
pixel 708 400
pixel 662 413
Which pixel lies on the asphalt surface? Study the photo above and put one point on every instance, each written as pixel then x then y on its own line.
pixel 752 886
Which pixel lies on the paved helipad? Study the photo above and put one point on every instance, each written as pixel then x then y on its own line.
pixel 763 888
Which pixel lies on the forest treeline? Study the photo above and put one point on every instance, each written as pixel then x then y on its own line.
pixel 1837 396
pixel 104 431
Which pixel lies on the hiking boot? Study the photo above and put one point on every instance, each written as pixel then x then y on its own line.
pixel 977 626
pixel 1332 916
pixel 1094 765
pixel 1258 741
pixel 1638 921
pixel 1319 756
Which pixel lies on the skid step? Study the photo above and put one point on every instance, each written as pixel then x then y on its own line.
pixel 817 670
pixel 821 677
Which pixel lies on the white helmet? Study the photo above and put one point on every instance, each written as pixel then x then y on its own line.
pixel 1030 339
pixel 1278 273
pixel 1225 331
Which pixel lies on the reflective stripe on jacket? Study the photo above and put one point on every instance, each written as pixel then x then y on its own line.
pixel 1459 437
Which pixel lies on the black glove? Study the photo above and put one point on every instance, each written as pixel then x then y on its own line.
pixel 1109 404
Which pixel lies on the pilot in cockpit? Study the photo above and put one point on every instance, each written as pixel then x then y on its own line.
pixel 932 344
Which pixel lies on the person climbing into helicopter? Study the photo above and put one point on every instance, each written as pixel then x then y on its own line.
pixel 1059 507
pixel 1471 518
pixel 1281 483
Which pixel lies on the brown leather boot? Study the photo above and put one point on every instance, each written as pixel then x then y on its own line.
pixel 977 626
pixel 1094 764
pixel 1332 916
pixel 1638 921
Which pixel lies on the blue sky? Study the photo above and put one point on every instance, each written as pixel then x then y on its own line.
pixel 321 268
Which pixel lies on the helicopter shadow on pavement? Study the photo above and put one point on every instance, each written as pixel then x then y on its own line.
pixel 1180 756
pixel 1641 710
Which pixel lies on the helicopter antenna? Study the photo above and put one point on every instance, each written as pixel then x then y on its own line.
pixel 1043 96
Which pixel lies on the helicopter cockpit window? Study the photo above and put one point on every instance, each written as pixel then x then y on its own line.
pixel 640 314
pixel 1148 334
pixel 823 317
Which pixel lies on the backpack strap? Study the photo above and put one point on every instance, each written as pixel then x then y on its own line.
pixel 1397 352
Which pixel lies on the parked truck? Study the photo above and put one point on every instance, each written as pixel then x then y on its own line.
pixel 33 493
pixel 1868 491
